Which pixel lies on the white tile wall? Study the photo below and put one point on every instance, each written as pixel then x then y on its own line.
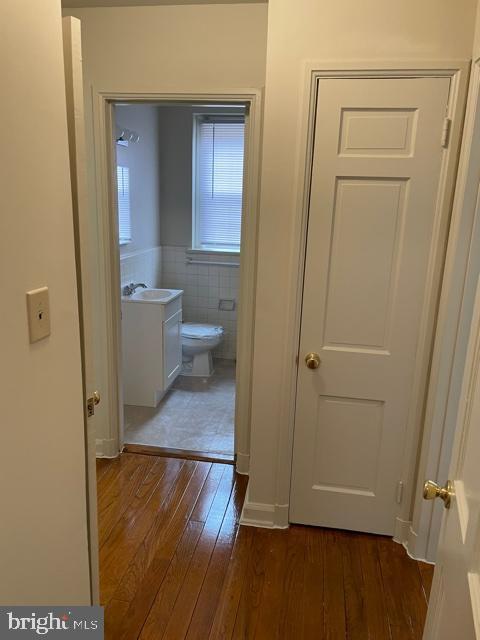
pixel 142 266
pixel 204 286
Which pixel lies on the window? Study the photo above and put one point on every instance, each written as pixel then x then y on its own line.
pixel 123 196
pixel 218 182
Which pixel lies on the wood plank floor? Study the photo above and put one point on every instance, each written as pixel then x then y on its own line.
pixel 175 564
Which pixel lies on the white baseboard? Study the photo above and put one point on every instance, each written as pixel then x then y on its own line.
pixel 407 537
pixel 106 448
pixel 401 531
pixel 268 516
pixel 242 465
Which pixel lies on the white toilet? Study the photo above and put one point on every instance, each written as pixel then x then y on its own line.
pixel 198 342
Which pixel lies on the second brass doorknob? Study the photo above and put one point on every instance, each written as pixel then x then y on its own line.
pixel 312 360
pixel 432 490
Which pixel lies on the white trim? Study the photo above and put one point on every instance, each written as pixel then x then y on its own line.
pixel 268 516
pixel 406 536
pixel 106 448
pixel 212 252
pixel 410 545
pixel 242 464
pixel 138 252
pixel 72 39
pixel 402 531
pixel 195 190
pixel 447 369
pixel 109 255
pixel 456 70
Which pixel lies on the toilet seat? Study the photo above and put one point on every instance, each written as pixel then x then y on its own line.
pixel 200 331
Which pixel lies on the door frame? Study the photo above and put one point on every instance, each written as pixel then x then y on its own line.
pixel 457 72
pixel 74 93
pixel 109 254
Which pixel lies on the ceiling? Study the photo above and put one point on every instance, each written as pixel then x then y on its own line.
pixel 139 3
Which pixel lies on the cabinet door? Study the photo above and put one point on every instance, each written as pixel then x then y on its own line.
pixel 172 348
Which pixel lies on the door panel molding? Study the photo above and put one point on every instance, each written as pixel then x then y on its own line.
pixel 352 141
pixel 378 278
pixel 350 413
pixel 457 72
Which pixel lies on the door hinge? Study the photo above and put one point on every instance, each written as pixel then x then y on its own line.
pixel 447 123
pixel 399 492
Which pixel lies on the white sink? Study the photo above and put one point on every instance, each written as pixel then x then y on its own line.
pixel 151 294
pixel 157 296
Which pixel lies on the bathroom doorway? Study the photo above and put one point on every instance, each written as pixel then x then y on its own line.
pixel 179 197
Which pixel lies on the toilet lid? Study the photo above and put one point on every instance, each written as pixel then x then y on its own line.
pixel 199 331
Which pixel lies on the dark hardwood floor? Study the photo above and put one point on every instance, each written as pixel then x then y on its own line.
pixel 175 564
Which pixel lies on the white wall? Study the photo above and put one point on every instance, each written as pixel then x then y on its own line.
pixel 321 31
pixel 141 259
pixel 143 160
pixel 476 35
pixel 43 534
pixel 176 136
pixel 191 48
pixel 126 3
pixel 176 132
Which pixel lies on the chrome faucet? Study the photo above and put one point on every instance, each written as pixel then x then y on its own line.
pixel 129 289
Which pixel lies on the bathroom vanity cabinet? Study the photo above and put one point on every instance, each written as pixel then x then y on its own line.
pixel 152 346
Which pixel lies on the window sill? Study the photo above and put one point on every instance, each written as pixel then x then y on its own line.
pixel 212 252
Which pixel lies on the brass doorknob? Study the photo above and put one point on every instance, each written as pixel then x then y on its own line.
pixel 312 360
pixel 432 490
pixel 96 397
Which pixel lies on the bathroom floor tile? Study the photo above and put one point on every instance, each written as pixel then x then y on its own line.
pixel 197 414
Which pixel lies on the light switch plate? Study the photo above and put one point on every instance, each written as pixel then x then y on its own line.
pixel 38 309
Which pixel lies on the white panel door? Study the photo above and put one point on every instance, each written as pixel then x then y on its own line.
pixel 454 610
pixel 375 180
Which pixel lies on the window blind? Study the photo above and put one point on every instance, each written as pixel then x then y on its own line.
pixel 219 182
pixel 123 196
